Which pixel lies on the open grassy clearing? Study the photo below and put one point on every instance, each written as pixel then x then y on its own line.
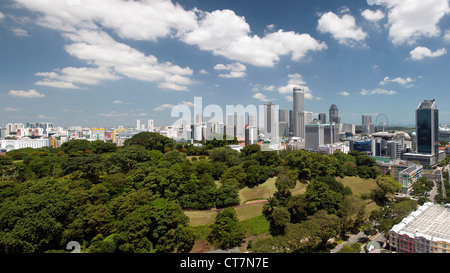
pixel 266 190
pixel 357 184
pixel 360 186
pixel 246 195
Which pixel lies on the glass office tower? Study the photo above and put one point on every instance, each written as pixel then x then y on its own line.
pixel 427 128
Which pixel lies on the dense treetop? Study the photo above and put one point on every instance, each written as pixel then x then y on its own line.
pixel 131 198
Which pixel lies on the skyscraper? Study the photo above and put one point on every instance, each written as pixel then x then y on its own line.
pixel 427 128
pixel 334 114
pixel 271 121
pixel 251 135
pixel 303 118
pixel 299 106
pixel 366 124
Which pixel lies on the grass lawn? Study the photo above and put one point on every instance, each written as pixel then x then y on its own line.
pixel 260 192
pixel 207 217
pixel 201 217
pixel 263 191
pixel 266 190
pixel 360 186
pixel 357 184
pixel 256 225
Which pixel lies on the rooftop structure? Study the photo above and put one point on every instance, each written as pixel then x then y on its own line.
pixel 426 230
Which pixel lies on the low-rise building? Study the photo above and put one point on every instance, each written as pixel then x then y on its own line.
pixel 406 173
pixel 16 144
pixel 426 230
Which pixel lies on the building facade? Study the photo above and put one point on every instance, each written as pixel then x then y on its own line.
pixel 427 128
pixel 366 124
pixel 334 114
pixel 11 145
pixel 426 230
pixel 298 107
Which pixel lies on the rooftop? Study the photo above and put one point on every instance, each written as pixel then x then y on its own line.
pixel 427 104
pixel 429 220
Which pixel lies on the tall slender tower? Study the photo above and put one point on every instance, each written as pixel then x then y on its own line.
pixel 299 107
pixel 271 121
pixel 365 124
pixel 427 128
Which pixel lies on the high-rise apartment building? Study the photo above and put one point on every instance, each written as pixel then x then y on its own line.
pixel 150 125
pixel 138 124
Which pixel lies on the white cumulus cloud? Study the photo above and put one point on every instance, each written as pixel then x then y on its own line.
pixel 376 91
pixel 373 16
pixel 343 29
pixel 26 94
pixel 409 20
pixel 226 34
pixel 399 80
pixel 296 80
pixel 262 97
pixel 237 70
pixel 422 52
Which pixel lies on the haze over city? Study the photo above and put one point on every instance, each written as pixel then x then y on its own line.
pixel 108 63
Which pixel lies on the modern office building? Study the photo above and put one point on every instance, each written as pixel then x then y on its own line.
pixel 298 107
pixel 330 133
pixel 362 145
pixel 251 135
pixel 271 121
pixel 283 115
pixel 322 118
pixel 303 118
pixel 395 148
pixel 334 114
pixel 366 126
pixel 314 136
pixel 427 135
pixel 425 230
pixel 427 128
pixel 347 128
pixel 377 146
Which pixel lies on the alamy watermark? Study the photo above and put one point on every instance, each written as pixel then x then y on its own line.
pixel 235 118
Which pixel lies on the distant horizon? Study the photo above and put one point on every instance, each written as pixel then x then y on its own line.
pixel 112 62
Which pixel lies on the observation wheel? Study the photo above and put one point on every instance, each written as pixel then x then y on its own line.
pixel 381 122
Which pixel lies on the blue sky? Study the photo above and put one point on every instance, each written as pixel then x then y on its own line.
pixel 110 62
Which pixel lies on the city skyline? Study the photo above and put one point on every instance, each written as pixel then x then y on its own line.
pixel 73 63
